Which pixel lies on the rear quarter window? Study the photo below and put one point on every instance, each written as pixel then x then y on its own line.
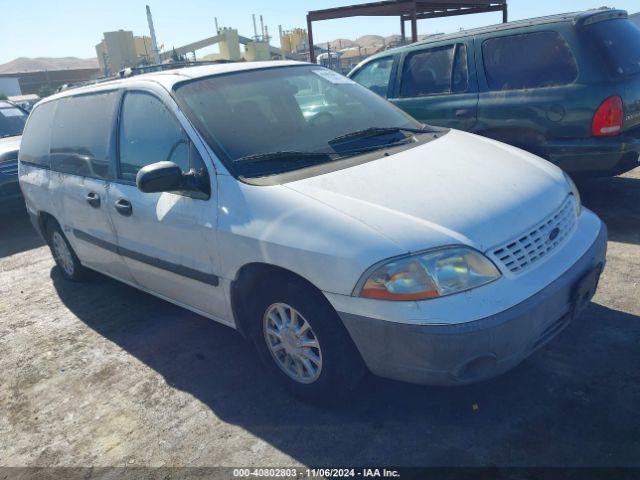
pixel 530 60
pixel 34 146
pixel 82 133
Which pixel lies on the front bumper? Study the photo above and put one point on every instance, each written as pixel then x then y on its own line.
pixel 467 352
pixel 605 156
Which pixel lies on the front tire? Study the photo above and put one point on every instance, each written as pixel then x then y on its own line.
pixel 304 344
pixel 63 254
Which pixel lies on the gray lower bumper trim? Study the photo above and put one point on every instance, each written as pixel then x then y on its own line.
pixel 472 351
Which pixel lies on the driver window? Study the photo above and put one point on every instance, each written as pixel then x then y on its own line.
pixel 149 133
pixel 427 72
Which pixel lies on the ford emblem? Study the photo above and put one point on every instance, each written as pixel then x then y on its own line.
pixel 554 234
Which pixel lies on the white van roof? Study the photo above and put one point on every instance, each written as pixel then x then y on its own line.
pixel 168 78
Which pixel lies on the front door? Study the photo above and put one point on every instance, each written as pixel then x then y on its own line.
pixel 437 86
pixel 167 239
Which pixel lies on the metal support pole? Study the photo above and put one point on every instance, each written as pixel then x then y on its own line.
pixel 402 32
pixel 414 27
pixel 505 16
pixel 312 52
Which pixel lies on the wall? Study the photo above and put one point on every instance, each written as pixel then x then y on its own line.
pixel 31 82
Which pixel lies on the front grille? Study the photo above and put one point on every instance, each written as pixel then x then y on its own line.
pixel 521 253
pixel 10 168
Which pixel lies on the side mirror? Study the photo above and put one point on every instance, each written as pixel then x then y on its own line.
pixel 159 177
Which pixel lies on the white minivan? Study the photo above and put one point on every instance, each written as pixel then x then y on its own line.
pixel 323 223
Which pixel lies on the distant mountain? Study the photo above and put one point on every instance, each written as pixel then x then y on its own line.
pixel 368 43
pixel 339 44
pixel 24 64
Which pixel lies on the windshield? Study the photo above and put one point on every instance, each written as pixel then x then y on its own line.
pixel 275 120
pixel 12 120
pixel 619 40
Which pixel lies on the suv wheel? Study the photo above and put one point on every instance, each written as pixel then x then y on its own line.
pixel 63 254
pixel 303 342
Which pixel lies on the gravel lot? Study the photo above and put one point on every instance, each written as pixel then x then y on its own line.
pixel 102 374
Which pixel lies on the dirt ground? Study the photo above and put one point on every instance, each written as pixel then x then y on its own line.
pixel 102 374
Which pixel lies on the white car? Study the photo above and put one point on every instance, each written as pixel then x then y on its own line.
pixel 290 203
pixel 12 120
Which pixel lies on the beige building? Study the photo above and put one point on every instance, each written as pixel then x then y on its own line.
pixel 294 41
pixel 144 48
pixel 257 51
pixel 121 49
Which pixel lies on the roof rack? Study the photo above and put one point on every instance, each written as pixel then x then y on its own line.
pixel 141 70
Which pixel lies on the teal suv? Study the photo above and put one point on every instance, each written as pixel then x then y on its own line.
pixel 565 87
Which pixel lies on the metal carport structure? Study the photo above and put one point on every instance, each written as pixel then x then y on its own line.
pixel 407 10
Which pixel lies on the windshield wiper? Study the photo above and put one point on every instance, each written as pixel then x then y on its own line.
pixel 318 157
pixel 376 131
pixel 358 151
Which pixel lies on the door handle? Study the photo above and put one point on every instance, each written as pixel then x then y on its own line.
pixel 93 199
pixel 124 207
pixel 465 113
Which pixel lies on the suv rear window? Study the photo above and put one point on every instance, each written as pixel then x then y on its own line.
pixel 530 60
pixel 619 42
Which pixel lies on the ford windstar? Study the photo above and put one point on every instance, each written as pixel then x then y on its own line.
pixel 320 221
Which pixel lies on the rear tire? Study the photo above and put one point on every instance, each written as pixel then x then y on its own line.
pixel 303 342
pixel 63 254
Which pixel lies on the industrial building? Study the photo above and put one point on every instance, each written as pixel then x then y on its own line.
pixel 121 49
pixel 295 41
pixel 34 82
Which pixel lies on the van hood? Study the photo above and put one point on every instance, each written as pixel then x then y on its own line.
pixel 457 189
pixel 9 144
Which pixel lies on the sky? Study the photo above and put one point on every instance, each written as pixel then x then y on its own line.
pixel 61 28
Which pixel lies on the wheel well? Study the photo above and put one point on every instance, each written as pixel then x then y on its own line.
pixel 250 276
pixel 44 219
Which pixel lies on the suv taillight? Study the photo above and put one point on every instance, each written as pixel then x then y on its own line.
pixel 607 120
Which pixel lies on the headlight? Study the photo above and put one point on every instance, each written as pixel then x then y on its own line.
pixel 431 274
pixel 575 193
